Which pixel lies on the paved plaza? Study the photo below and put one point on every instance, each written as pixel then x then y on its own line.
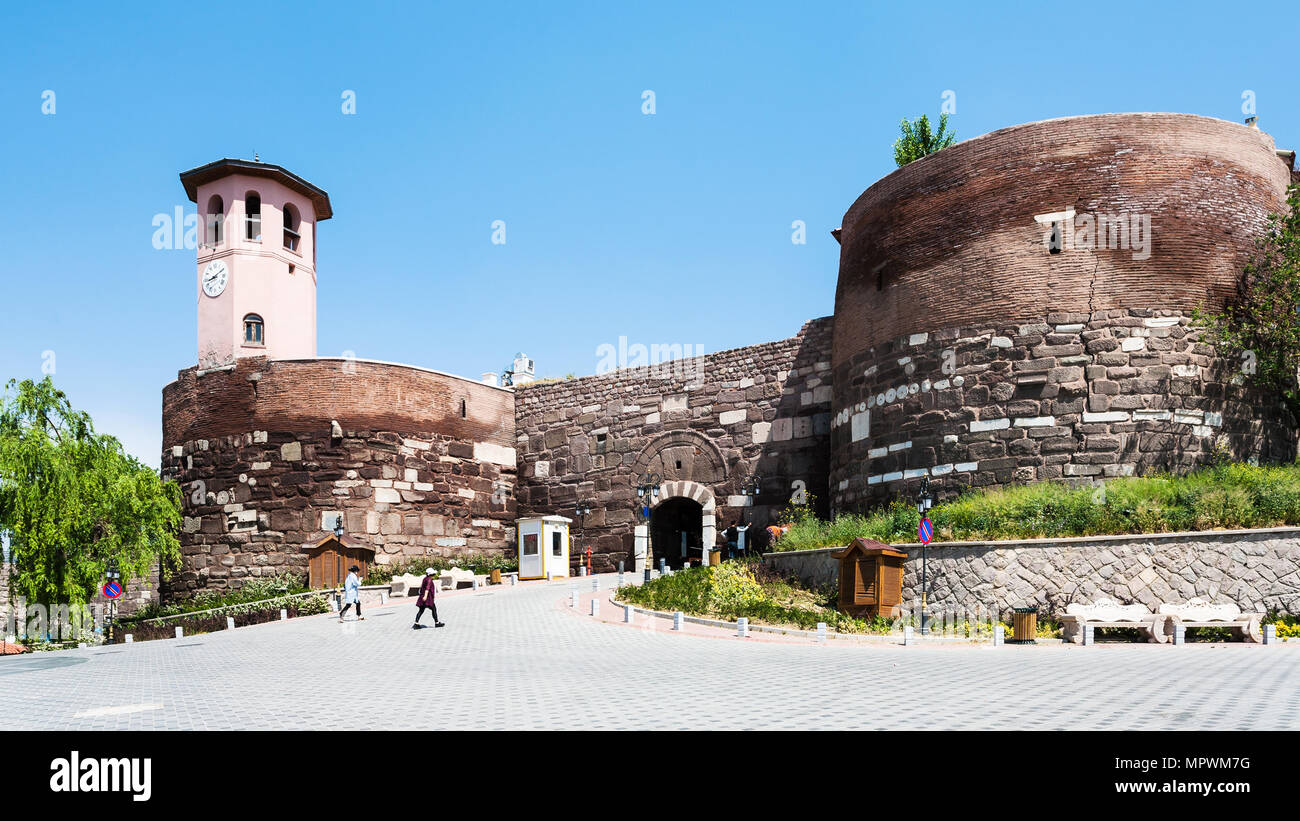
pixel 521 658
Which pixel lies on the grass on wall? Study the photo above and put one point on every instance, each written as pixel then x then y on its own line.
pixel 1224 497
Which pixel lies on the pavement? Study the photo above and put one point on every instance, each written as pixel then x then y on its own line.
pixel 522 658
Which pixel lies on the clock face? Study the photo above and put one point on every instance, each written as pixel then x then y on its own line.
pixel 214 278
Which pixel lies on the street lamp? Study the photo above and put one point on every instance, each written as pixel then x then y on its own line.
pixel 924 501
pixel 583 510
pixel 338 528
pixel 647 490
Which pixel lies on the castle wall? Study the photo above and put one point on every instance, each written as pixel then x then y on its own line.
pixel 964 350
pixel 713 420
pixel 263 473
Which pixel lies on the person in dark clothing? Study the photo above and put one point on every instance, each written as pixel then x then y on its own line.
pixel 427 593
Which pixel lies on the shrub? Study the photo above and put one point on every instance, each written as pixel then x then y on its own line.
pixel 1221 497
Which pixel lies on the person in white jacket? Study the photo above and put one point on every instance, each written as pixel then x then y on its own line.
pixel 352 593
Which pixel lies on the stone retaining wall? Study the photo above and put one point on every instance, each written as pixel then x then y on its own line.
pixel 1258 570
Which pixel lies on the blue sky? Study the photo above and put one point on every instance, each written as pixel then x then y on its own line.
pixel 666 228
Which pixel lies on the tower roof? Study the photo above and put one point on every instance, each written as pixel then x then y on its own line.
pixel 195 177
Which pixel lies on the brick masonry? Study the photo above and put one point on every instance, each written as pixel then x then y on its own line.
pixel 711 421
pixel 1258 570
pixel 264 470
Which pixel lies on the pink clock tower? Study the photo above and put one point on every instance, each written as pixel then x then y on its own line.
pixel 256 260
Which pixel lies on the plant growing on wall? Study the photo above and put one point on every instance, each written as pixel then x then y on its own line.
pixel 918 140
pixel 71 499
pixel 1259 327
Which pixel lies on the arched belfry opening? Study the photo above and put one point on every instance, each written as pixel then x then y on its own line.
pixel 677 531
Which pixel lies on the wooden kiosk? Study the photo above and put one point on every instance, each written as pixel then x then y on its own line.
pixel 329 559
pixel 871 578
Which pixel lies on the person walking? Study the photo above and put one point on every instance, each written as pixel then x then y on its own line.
pixel 427 593
pixel 352 593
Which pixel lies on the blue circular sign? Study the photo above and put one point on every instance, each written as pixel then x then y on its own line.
pixel 925 531
pixel 112 590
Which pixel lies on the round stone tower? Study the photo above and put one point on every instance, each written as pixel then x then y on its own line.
pixel 1017 307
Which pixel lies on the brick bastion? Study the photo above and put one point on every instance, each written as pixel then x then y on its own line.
pixel 1018 307
pixel 268 453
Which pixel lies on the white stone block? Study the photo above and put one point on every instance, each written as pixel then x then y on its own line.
pixel 387 496
pixel 1000 342
pixel 1036 422
pixel 897 446
pixel 966 467
pixel 761 432
pixel 465 493
pixel 732 417
pixel 876 479
pixel 981 425
pixel 860 426
pixel 941 470
pixel 1132 343
pixel 291 451
pixel 876 453
pixel 1108 416
pixel 652 418
pixel 918 339
pixel 494 454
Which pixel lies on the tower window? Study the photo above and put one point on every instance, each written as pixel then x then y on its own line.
pixel 253 330
pixel 291 224
pixel 252 217
pixel 1054 239
pixel 216 220
pixel 462 409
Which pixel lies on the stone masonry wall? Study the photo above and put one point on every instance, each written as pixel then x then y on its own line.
pixel 272 474
pixel 1257 570
pixel 713 421
pixel 1076 397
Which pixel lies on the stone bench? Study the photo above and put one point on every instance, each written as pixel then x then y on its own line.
pixel 1201 613
pixel 454 578
pixel 405 585
pixel 1109 613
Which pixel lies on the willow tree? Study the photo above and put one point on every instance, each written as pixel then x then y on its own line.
pixel 1259 325
pixel 72 499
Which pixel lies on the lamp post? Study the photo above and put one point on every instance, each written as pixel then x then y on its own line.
pixel 583 510
pixel 924 501
pixel 111 574
pixel 647 491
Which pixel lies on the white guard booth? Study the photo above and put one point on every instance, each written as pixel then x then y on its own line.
pixel 543 547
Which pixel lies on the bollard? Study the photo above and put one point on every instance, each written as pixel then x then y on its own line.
pixel 514 580
pixel 595 607
pixel 573 599
pixel 474 584
pixel 1270 634
pixel 677 620
pixel 548 575
pixel 742 627
pixel 620 568
pixel 999 635
pixel 1180 634
pixel 180 632
pixel 129 638
pixel 663 566
pixel 1089 635
pixel 230 622
pixel 582 570
pixel 284 614
pixel 909 636
pixel 383 597
pixel 628 613
pixel 821 631
pixel 595 584
pixel 620 578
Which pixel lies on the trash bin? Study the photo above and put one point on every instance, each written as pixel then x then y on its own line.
pixel 496 576
pixel 1024 625
pixel 715 557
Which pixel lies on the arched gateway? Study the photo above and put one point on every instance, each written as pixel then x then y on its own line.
pixel 682 525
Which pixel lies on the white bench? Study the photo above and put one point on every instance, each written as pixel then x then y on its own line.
pixel 451 579
pixel 1110 613
pixel 405 585
pixel 1201 613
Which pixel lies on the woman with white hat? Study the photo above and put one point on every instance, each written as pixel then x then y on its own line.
pixel 427 588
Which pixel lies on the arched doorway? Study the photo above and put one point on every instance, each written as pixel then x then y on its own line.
pixel 677 531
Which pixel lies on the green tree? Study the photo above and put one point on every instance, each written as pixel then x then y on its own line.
pixel 1259 326
pixel 71 499
pixel 918 141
